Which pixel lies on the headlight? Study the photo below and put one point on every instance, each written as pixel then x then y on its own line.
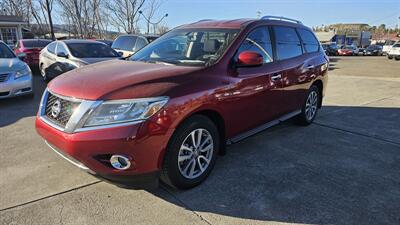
pixel 122 111
pixel 24 72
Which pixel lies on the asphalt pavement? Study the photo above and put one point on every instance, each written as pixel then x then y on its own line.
pixel 342 169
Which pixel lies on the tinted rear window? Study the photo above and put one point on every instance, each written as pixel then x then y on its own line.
pixel 126 43
pixel 91 50
pixel 287 43
pixel 35 43
pixel 310 43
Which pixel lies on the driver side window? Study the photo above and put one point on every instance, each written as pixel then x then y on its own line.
pixel 258 41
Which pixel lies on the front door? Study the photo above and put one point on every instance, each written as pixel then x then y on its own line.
pixel 256 92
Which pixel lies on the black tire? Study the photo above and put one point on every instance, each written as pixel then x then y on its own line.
pixel 397 58
pixel 171 174
pixel 303 118
pixel 390 57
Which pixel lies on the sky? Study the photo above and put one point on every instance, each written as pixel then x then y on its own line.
pixel 311 13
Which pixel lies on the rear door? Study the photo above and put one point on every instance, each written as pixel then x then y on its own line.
pixel 297 70
pixel 256 92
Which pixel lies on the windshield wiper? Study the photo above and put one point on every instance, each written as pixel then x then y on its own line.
pixel 160 62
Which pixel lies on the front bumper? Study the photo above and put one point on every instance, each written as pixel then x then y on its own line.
pixel 91 151
pixel 16 87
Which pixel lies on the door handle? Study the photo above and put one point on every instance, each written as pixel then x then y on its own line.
pixel 310 67
pixel 276 77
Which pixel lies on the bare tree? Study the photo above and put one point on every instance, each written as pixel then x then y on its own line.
pixel 83 16
pixel 16 8
pixel 152 7
pixel 125 14
pixel 162 29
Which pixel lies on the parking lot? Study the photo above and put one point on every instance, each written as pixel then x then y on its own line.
pixel 343 169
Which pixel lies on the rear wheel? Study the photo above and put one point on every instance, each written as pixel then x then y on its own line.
pixel 390 57
pixel 191 153
pixel 310 107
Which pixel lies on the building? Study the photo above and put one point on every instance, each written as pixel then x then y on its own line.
pixel 346 34
pixel 11 29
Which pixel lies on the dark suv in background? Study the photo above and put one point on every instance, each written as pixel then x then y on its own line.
pixel 176 103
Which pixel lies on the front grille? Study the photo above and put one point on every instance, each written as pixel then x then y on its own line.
pixel 59 110
pixel 4 77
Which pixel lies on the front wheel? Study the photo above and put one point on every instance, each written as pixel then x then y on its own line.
pixel 310 107
pixel 191 153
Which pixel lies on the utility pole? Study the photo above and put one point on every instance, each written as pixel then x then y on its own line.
pixel 50 20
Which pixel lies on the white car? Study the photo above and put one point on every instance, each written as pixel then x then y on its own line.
pixel 386 48
pixel 128 44
pixel 394 51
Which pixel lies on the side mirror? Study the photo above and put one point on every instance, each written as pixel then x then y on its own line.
pixel 250 59
pixel 62 54
pixel 21 55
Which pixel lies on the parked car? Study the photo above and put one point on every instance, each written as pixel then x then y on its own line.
pixel 373 50
pixel 347 50
pixel 361 51
pixel 330 49
pixel 62 56
pixel 388 45
pixel 151 37
pixel 15 75
pixel 128 44
pixel 394 51
pixel 105 41
pixel 31 48
pixel 174 105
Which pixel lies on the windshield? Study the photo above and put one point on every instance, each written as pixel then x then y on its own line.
pixel 126 43
pixel 35 43
pixel 91 50
pixel 187 47
pixel 5 52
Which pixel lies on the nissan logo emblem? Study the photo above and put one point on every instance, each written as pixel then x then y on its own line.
pixel 56 109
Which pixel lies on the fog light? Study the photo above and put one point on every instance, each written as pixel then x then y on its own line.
pixel 120 162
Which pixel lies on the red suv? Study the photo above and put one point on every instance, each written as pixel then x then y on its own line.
pixel 170 109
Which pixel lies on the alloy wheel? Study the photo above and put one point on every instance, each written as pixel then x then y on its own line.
pixel 311 105
pixel 195 153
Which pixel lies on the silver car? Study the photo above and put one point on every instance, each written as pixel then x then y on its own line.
pixel 15 75
pixel 61 56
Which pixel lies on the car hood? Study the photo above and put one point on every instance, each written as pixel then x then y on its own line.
pixel 11 65
pixel 100 80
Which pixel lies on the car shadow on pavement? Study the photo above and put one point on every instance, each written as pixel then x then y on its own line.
pixel 333 63
pixel 343 169
pixel 14 109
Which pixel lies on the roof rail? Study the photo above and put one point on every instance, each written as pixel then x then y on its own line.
pixel 204 20
pixel 281 18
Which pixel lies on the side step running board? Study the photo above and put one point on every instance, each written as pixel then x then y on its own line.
pixel 262 127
